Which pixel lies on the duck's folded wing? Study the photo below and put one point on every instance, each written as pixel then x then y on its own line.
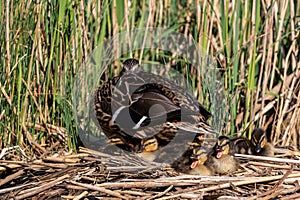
pixel 146 109
pixel 155 106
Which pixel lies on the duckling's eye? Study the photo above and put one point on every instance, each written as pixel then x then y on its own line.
pixel 198 151
pixel 223 143
pixel 150 142
pixel 263 137
pixel 195 151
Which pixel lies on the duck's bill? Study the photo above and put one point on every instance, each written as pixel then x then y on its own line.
pixel 219 154
pixel 258 148
pixel 194 164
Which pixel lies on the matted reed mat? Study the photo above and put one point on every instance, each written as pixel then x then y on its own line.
pixel 94 175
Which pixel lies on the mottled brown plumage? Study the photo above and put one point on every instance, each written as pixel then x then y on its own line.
pixel 140 111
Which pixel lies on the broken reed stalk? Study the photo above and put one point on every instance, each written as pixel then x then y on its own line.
pixel 264 158
pixel 36 190
pixel 239 183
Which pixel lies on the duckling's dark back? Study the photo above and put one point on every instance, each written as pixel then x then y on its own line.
pixel 240 145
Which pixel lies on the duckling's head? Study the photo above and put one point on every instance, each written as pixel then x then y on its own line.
pixel 258 139
pixel 197 153
pixel 199 156
pixel 222 146
pixel 149 145
pixel 130 64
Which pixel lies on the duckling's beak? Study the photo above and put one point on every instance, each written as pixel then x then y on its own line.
pixel 141 149
pixel 258 148
pixel 194 156
pixel 219 153
pixel 194 163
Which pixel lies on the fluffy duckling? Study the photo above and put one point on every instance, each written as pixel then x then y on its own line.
pixel 220 158
pixel 148 149
pixel 260 145
pixel 240 145
pixel 192 161
pixel 198 166
pixel 149 145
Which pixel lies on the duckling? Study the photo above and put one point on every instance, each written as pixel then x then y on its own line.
pixel 149 145
pixel 220 158
pixel 136 105
pixel 240 145
pixel 260 145
pixel 148 149
pixel 198 166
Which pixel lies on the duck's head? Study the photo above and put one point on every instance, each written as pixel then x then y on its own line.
pixel 199 156
pixel 258 139
pixel 222 146
pixel 130 64
pixel 149 145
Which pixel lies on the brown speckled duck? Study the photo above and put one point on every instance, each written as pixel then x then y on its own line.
pixel 142 112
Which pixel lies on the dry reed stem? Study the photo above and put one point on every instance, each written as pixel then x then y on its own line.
pixel 239 183
pixel 11 177
pixel 97 188
pixel 265 158
pixel 36 190
pixel 88 174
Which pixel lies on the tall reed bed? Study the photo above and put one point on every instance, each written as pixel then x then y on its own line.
pixel 256 45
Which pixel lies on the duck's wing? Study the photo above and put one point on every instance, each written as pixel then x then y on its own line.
pixel 140 105
pixel 152 105
pixel 148 108
pixel 175 93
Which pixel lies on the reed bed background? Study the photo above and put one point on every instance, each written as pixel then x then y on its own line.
pixel 256 45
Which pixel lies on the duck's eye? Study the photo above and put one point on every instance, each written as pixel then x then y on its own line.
pixel 198 151
pixel 150 142
pixel 262 138
pixel 223 143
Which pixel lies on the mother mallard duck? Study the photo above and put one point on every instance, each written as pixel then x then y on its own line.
pixel 142 112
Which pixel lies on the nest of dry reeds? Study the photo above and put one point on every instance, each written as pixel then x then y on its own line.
pixel 94 175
